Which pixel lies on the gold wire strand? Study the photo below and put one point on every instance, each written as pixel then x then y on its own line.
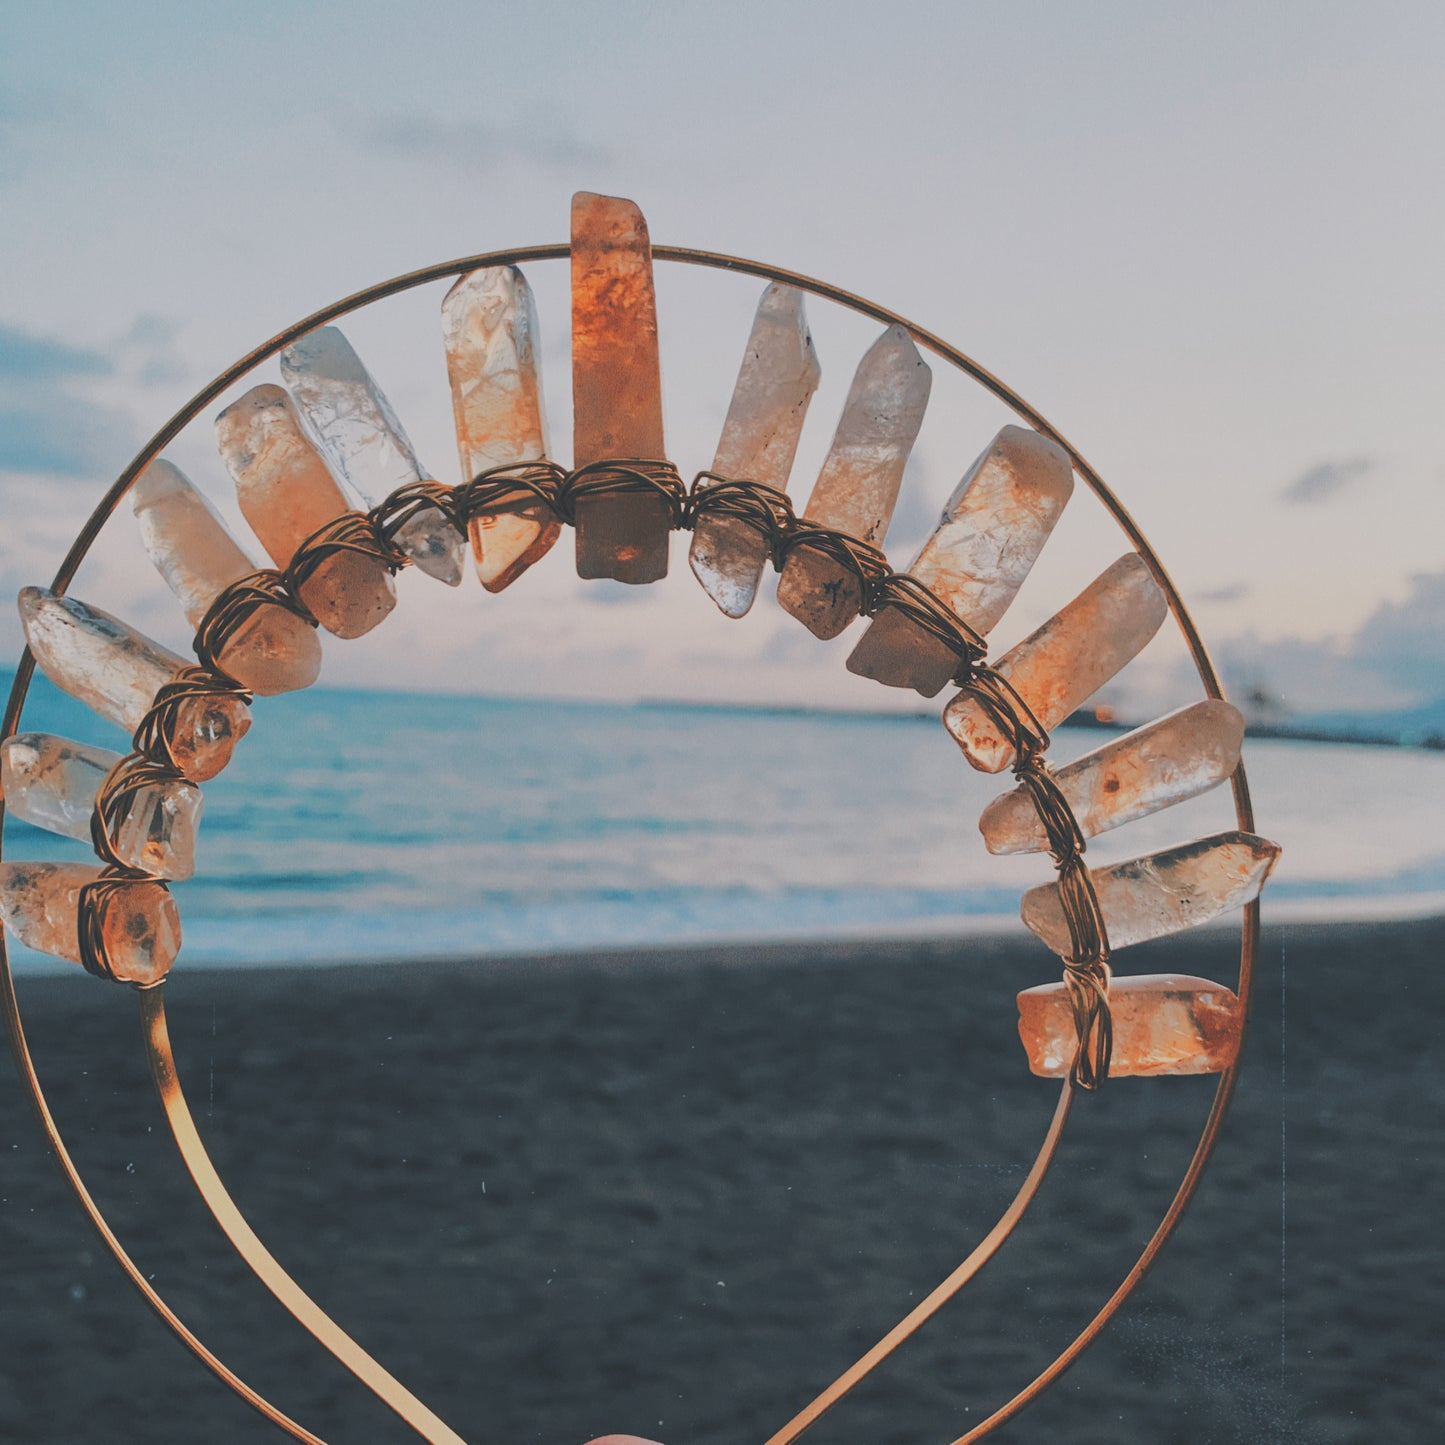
pixel 217 387
pixel 249 1246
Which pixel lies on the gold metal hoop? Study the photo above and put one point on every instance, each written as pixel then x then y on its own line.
pixel 152 1000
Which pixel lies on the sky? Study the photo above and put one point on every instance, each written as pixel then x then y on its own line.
pixel 1203 241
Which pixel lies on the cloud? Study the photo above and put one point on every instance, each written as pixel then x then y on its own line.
pixel 64 436
pixel 25 356
pixel 1231 592
pixel 1327 479
pixel 52 423
pixel 1402 644
pixel 475 144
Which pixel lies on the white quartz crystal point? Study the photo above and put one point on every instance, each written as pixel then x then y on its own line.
pixel 1162 763
pixel 52 782
pixel 489 326
pixel 287 493
pixel 858 485
pixel 776 381
pixel 993 529
pixel 117 671
pixel 1164 893
pixel 40 905
pixel 274 651
pixel 1067 660
pixel 365 442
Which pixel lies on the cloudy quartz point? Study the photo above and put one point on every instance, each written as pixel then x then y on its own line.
pixel 1164 893
pixel 117 671
pixel 776 381
pixel 858 487
pixel 365 442
pixel 616 387
pixel 1068 659
pixel 52 782
pixel 274 650
pixel 489 326
pixel 1164 1023
pixel 993 529
pixel 40 904
pixel 287 492
pixel 1166 761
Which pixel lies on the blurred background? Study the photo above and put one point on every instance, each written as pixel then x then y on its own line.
pixel 1205 245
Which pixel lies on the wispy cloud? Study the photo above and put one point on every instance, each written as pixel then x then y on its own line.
pixel 26 356
pixel 474 144
pixel 1327 479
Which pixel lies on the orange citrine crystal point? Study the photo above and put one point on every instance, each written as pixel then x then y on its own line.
pixel 287 493
pixel 993 529
pixel 1164 1023
pixel 1068 659
pixel 616 387
pixel 489 327
pixel 40 904
pixel 858 486
pixel 1162 763
pixel 274 650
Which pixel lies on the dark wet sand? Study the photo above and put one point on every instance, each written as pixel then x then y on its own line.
pixel 675 1194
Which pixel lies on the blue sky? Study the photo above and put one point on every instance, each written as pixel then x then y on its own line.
pixel 1204 241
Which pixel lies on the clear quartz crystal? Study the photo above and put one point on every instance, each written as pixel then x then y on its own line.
pixel 616 387
pixel 40 904
pixel 858 486
pixel 274 651
pixel 1164 893
pixel 52 782
pixel 117 671
pixel 1067 660
pixel 1164 1023
pixel 993 529
pixel 365 442
pixel 287 492
pixel 489 325
pixel 1162 763
pixel 776 381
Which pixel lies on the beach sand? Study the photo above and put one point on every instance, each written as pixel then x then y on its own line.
pixel 674 1194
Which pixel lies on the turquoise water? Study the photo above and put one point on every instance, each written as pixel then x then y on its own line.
pixel 374 825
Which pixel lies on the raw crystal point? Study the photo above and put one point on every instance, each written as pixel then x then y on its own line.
pixel 117 672
pixel 993 529
pixel 40 904
pixel 858 486
pixel 616 387
pixel 1150 897
pixel 1177 757
pixel 489 324
pixel 52 782
pixel 287 492
pixel 274 651
pixel 776 381
pixel 1164 1023
pixel 365 442
pixel 1068 659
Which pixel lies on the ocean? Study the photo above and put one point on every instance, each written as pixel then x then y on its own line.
pixel 371 825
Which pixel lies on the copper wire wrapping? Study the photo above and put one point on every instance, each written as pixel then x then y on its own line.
pixel 234 607
pixel 93 901
pixel 621 477
pixel 350 532
pixel 156 734
pixel 120 785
